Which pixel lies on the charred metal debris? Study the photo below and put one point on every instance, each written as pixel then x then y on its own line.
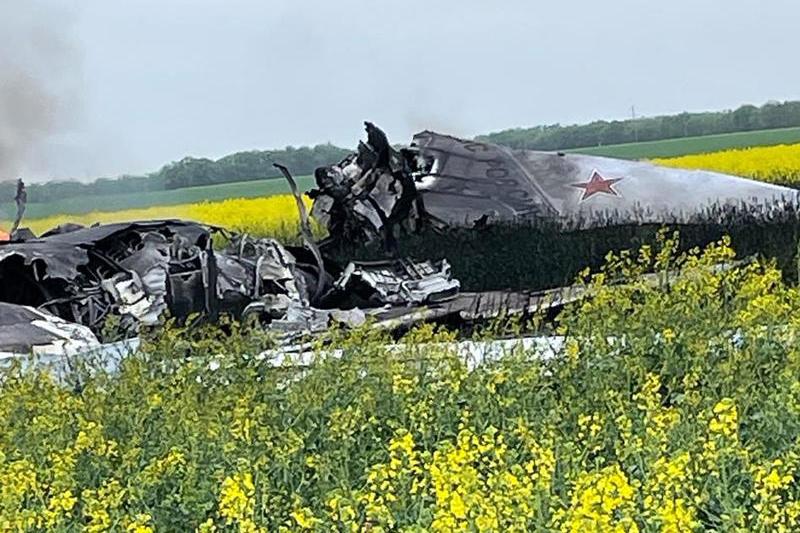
pixel 114 279
pixel 130 274
pixel 372 194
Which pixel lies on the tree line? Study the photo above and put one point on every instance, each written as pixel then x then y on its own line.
pixel 601 132
pixel 189 172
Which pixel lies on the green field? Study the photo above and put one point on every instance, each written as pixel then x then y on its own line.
pixel 118 202
pixel 694 145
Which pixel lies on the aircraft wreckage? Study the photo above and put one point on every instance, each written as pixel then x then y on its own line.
pixel 64 290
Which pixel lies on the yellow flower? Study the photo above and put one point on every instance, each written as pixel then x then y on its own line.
pixel 725 419
pixel 404 444
pixel 305 518
pixel 669 491
pixel 271 215
pixel 457 506
pixel 154 400
pixel 207 527
pixel 140 524
pixel 777 164
pixel 601 501
pixel 236 499
pixel 100 504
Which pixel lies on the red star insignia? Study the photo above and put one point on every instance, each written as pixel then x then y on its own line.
pixel 596 184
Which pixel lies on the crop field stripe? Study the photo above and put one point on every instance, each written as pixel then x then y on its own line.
pixel 773 164
pixel 189 195
pixel 694 145
pixel 274 215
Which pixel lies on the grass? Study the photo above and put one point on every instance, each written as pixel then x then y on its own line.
pixel 540 256
pixel 119 202
pixel 693 145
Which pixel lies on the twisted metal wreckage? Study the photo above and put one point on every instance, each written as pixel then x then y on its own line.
pixel 61 291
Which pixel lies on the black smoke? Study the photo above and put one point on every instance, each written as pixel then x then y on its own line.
pixel 40 77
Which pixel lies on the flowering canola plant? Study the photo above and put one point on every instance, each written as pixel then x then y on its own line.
pixel 774 164
pixel 674 406
pixel 274 216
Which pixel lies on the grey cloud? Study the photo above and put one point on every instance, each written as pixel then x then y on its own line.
pixel 40 75
pixel 171 78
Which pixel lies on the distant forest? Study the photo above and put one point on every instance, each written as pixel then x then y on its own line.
pixel 601 132
pixel 189 172
pixel 256 165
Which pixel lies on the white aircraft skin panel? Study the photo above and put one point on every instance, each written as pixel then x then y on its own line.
pixel 470 180
pixel 626 185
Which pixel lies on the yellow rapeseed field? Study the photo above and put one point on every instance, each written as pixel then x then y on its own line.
pixel 773 164
pixel 670 408
pixel 273 215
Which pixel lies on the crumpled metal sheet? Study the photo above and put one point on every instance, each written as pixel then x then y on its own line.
pixel 25 330
pixel 60 260
pixel 63 253
pixel 299 319
pixel 369 194
pixel 86 237
pixel 132 300
pixel 402 281
pixel 139 271
pixel 88 274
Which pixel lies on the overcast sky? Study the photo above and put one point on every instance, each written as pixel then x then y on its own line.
pixel 100 87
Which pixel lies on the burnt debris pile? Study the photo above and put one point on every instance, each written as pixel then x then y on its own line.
pixel 137 273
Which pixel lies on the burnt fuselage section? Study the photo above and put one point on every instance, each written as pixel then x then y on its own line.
pixel 136 271
pixel 130 275
pixel 445 181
